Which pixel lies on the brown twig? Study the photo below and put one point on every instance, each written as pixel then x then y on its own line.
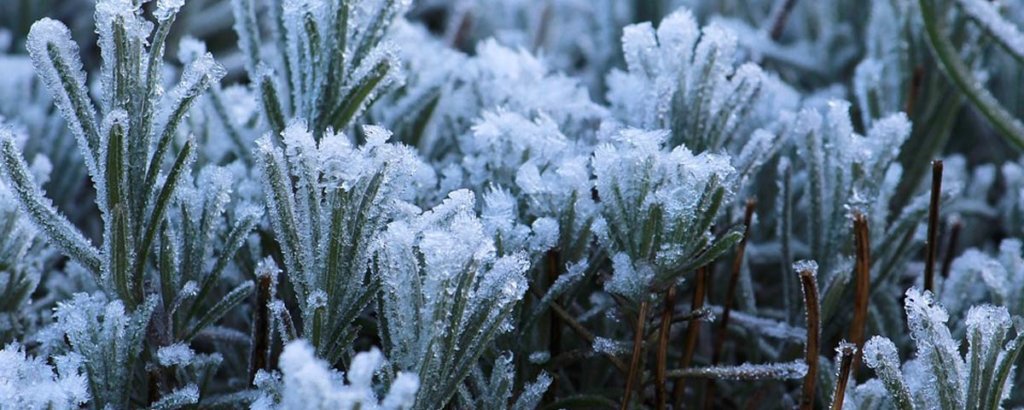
pixel 847 352
pixel 259 356
pixel 730 297
pixel 954 236
pixel 734 278
pixel 808 280
pixel 577 328
pixel 661 368
pixel 780 18
pixel 638 348
pixel 861 293
pixel 933 226
pixel 692 331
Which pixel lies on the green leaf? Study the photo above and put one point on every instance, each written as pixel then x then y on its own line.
pixel 221 308
pixel 359 97
pixel 271 102
pixel 949 60
pixel 178 172
pixel 58 229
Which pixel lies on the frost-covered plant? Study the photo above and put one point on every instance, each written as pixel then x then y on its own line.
pixel 331 58
pixel 445 294
pixel 684 79
pixel 327 203
pixel 307 382
pixel 109 340
pixel 23 258
pixel 939 377
pixel 658 208
pixel 28 382
pixel 125 155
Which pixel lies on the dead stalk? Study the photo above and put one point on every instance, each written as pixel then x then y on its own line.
pixel 846 355
pixel 638 348
pixel 861 291
pixel 809 283
pixel 692 331
pixel 954 236
pixel 662 358
pixel 933 226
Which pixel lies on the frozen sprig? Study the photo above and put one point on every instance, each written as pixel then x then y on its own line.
pixel 307 382
pixel 327 203
pixel 939 377
pixel 747 371
pixel 686 79
pixel 109 339
pixel 28 382
pixel 445 294
pixel 659 207
pixel 334 60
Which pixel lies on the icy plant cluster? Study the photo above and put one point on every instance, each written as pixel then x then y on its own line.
pixel 509 204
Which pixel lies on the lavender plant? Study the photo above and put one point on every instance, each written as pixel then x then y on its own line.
pixel 386 204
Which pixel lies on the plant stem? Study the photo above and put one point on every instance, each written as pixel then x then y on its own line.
pixel 861 293
pixel 847 354
pixel 578 328
pixel 692 331
pixel 954 236
pixel 734 277
pixel 933 226
pixel 662 358
pixel 638 347
pixel 780 17
pixel 810 287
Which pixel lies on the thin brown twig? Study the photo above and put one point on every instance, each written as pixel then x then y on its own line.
pixel 847 352
pixel 933 226
pixel 661 368
pixel 692 331
pixel 954 236
pixel 638 348
pixel 808 280
pixel 734 278
pixel 259 356
pixel 861 293
pixel 577 328
pixel 780 18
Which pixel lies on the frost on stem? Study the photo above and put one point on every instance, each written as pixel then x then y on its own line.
pixel 772 371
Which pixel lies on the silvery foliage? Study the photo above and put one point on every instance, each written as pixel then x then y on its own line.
pixel 446 93
pixel 562 148
pixel 125 156
pixel 31 383
pixel 658 208
pixel 23 258
pixel 326 61
pixel 938 376
pixel 328 201
pixel 307 382
pixel 446 293
pixel 840 173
